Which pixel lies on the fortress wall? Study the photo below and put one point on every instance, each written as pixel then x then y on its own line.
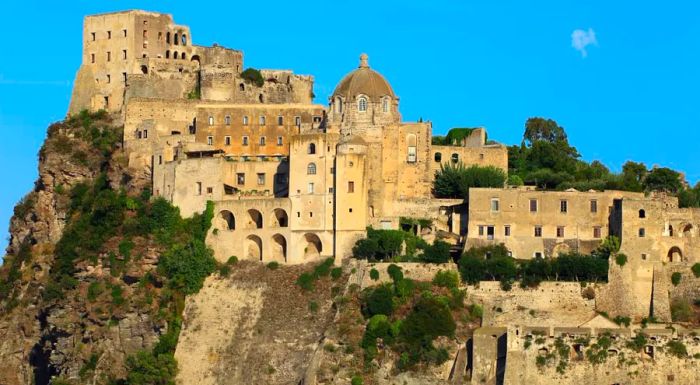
pixel 415 271
pixel 488 155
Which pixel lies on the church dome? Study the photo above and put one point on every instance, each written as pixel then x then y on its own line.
pixel 364 81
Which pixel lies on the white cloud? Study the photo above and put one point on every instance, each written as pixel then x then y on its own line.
pixel 580 39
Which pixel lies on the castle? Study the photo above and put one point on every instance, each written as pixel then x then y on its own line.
pixel 293 181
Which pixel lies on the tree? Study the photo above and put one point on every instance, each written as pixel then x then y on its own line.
pixel 147 369
pixel 366 248
pixel 663 179
pixel 540 129
pixel 454 181
pixel 438 252
pixel 633 175
pixel 378 301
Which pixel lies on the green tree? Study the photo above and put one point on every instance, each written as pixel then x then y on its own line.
pixel 438 252
pixel 633 175
pixel 378 301
pixel 455 180
pixel 663 179
pixel 147 369
pixel 540 129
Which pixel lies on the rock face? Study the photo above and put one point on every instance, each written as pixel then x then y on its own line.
pixel 40 339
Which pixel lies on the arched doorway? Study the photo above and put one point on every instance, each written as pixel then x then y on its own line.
pixel 255 220
pixel 253 248
pixel 229 221
pixel 312 246
pixel 279 248
pixel 560 249
pixel 688 230
pixel 675 254
pixel 279 218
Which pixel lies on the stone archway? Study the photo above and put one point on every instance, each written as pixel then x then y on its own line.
pixel 255 219
pixel 312 246
pixel 279 248
pixel 228 220
pixel 560 249
pixel 279 218
pixel 674 255
pixel 253 248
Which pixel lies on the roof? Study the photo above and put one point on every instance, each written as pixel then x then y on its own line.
pixel 364 81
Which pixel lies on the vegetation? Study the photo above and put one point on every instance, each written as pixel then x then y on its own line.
pixel 455 180
pixel 696 270
pixel 676 278
pixel 454 137
pixel 621 259
pixel 306 280
pixel 382 245
pixel 374 274
pixel 681 310
pixel 677 349
pixel 492 263
pixel 446 278
pixel 254 76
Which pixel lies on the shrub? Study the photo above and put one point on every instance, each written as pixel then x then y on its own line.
pixel 427 320
pixel 395 272
pixel 438 252
pixel 366 248
pixel 446 278
pixel 454 181
pixel 336 273
pixel 94 290
pixel 187 265
pixel 638 342
pixel 313 306
pixel 117 292
pixel 621 259
pixel 677 349
pixel 696 270
pixel 476 311
pixel 620 320
pixel 681 310
pixel 273 265
pixel 374 274
pixel 306 281
pixel 356 380
pixel 224 270
pixel 676 278
pixel 254 76
pixel 323 268
pixel 378 301
pixel 232 260
pixel 147 369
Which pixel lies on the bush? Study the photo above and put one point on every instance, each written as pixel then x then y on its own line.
pixel 621 259
pixel 638 342
pixel 378 301
pixel 428 319
pixel 336 273
pixel 232 260
pixel 117 298
pixel 454 181
pixel 254 76
pixel 147 369
pixel 306 281
pixel 446 278
pixel 366 248
pixel 677 349
pixel 187 265
pixel 676 278
pixel 395 272
pixel 696 270
pixel 323 268
pixel 273 265
pixel 438 252
pixel 94 290
pixel 374 274
pixel 681 310
pixel 313 306
pixel 356 380
pixel 224 270
pixel 620 320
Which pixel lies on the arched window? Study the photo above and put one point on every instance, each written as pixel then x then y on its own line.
pixel 184 56
pixel 167 54
pixel 455 158
pixel 167 37
pixel 175 55
pixel 176 40
pixel 261 98
pixel 227 120
pixel 241 87
pixel 211 120
pixel 338 105
pixel 438 157
pixel 184 39
pixel 642 213
pixel 311 169
pixel 312 148
pixel 362 104
pixel 385 105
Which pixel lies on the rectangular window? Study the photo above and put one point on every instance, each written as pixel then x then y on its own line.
pixel 160 36
pixel 262 140
pixel 564 206
pixel 560 232
pixel 594 206
pixel 262 120
pixel 245 140
pixel 533 205
pixel 109 78
pixel 642 232
pixel 210 140
pixel 92 57
pixel 124 76
pixel 538 231
pixel 145 33
pixel 279 140
pixel 297 121
pixel 210 190
pixel 280 121
pixel 124 32
pixel 481 230
pixel 538 255
pixel 160 159
pixel 495 205
pixel 596 232
pixel 240 178
pixel 506 230
pixel 310 188
pixel 644 257
pixel 199 188
pixel 93 36
pixel 490 232
pixel 261 178
pixel 245 120
pixel 412 157
pixel 124 54
pixel 227 140
pixel 109 34
pixel 145 134
pixel 351 187
pixel 109 56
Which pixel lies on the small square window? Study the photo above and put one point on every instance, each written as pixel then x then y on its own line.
pixel 245 120
pixel 261 178
pixel 533 205
pixel 642 232
pixel 240 178
pixel 280 121
pixel 262 120
pixel 227 120
pixel 644 257
pixel 538 255
pixel 538 231
pixel 350 210
pixel 351 187
pixel 262 140
pixel 210 190
pixel 597 232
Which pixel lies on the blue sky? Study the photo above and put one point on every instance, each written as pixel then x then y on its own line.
pixel 635 95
